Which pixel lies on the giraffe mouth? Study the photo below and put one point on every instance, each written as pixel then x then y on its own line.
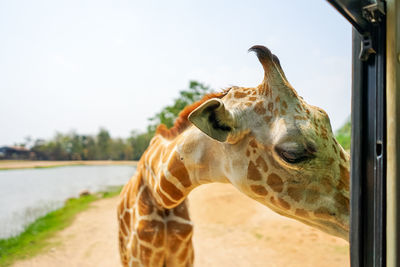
pixel 335 227
pixel 331 225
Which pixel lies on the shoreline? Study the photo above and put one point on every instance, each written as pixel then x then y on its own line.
pixel 33 164
pixel 229 230
pixel 37 237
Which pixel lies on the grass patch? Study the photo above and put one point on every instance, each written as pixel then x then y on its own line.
pixel 258 235
pixel 343 135
pixel 41 167
pixel 4 164
pixel 341 249
pixel 36 237
pixel 55 166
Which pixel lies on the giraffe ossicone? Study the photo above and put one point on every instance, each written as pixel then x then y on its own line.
pixel 266 141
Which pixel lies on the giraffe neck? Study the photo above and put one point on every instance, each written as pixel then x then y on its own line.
pixel 172 168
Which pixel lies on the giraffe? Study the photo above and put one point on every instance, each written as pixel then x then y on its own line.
pixel 266 141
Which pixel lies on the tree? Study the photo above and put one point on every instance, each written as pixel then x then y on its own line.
pixel 343 135
pixel 72 146
pixel 186 97
pixel 103 144
pixel 139 142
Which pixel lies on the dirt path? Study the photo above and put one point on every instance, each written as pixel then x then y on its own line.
pixel 230 230
pixel 23 164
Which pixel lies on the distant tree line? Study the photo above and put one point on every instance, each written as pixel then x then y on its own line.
pixel 73 146
pixel 343 135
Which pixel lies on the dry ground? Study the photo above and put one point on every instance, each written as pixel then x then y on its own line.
pixel 23 164
pixel 230 230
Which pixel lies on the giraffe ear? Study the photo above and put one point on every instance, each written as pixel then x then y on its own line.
pixel 213 119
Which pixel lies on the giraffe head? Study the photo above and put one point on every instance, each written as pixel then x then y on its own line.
pixel 279 150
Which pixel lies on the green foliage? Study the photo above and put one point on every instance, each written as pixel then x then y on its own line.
pixel 36 237
pixel 73 146
pixel 343 135
pixel 139 142
pixel 103 144
pixel 167 116
pixel 186 97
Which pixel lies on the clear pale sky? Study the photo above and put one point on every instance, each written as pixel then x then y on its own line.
pixel 82 65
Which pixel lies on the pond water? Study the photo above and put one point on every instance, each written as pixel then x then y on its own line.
pixel 28 194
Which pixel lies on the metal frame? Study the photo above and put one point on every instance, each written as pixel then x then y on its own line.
pixel 368 148
pixel 393 132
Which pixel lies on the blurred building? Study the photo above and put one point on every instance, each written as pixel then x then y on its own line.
pixel 14 152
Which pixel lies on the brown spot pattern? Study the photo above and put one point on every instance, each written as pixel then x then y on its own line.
pixel 158 258
pixel 145 254
pixel 264 90
pixel 343 203
pixel 156 159
pixel 183 254
pixel 283 203
pixel 253 173
pixel 123 228
pixel 275 182
pixel 182 211
pixel 144 203
pixel 127 219
pixel 267 90
pixel 259 190
pixel 324 133
pixel 164 198
pixel 259 108
pixel 312 195
pixel 182 230
pixel 295 193
pixel 151 230
pixel 300 118
pixel 323 213
pixel 178 170
pixel 253 143
pixel 238 94
pixel 261 163
pixel 267 119
pixel 327 184
pixel 301 213
pixel 173 243
pixel 160 213
pixel 134 246
pixel 170 188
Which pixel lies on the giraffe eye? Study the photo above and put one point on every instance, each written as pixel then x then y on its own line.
pixel 293 153
pixel 293 157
